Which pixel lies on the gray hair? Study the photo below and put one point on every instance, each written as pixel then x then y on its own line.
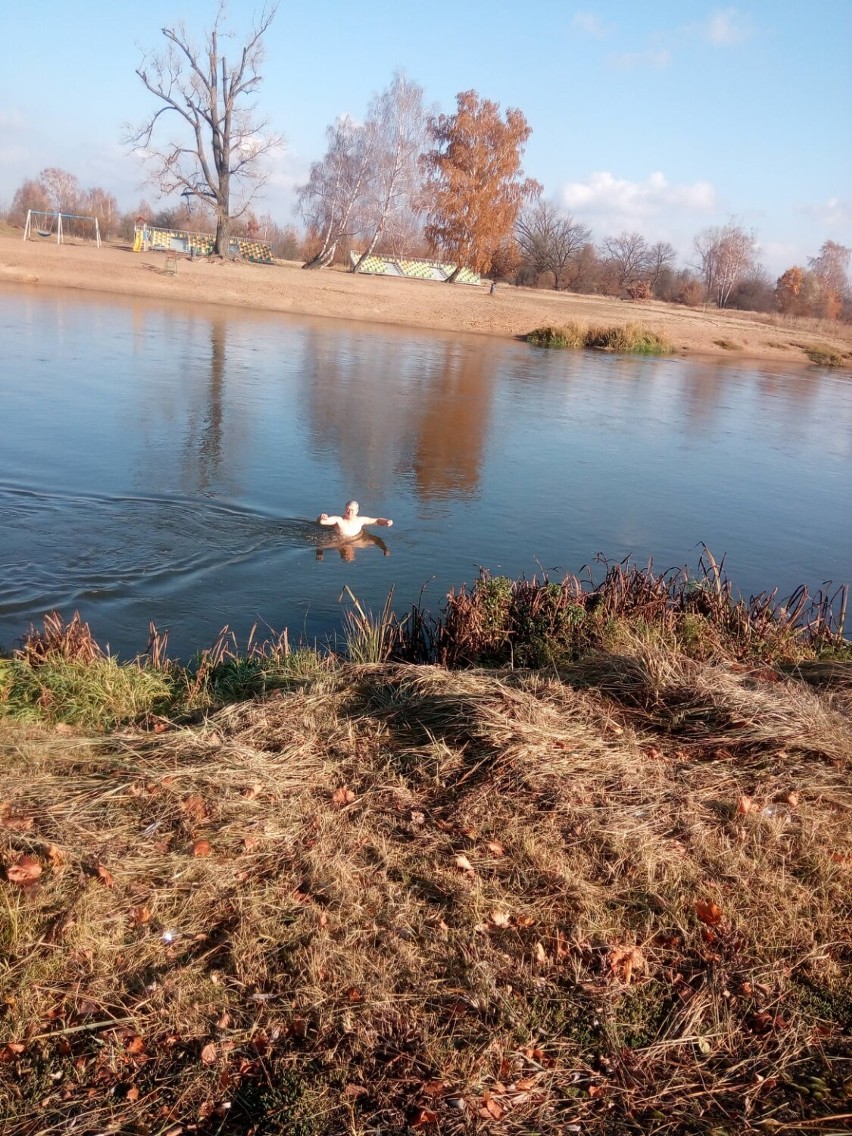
pixel 353 503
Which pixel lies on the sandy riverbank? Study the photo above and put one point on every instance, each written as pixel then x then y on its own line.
pixel 510 311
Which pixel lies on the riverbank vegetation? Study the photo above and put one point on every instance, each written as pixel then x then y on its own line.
pixel 565 857
pixel 627 339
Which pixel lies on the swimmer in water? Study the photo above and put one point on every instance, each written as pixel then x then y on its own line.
pixel 351 523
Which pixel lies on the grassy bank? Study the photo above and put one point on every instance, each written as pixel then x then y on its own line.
pixel 603 888
pixel 626 339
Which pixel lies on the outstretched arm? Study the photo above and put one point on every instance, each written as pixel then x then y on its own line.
pixel 325 519
pixel 376 521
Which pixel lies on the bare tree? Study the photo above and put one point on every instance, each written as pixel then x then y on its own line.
pixel 660 257
pixel 331 198
pixel 30 194
pixel 61 188
pixel 550 240
pixel 226 141
pixel 626 257
pixel 396 122
pixel 726 255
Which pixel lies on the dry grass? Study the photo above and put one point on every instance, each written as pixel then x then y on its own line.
pixel 611 900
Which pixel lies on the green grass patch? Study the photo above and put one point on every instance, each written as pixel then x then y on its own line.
pixel 627 339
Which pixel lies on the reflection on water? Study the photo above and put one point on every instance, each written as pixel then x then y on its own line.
pixel 386 409
pixel 165 463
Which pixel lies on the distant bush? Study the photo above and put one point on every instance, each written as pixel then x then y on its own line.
pixel 640 290
pixel 691 293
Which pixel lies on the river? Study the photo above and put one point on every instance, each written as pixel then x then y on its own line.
pixel 167 463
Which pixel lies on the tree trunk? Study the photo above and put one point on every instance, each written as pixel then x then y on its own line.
pixel 451 279
pixel 323 258
pixel 222 243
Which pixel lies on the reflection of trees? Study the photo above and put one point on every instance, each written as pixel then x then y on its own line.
pixel 449 446
pixel 391 406
pixel 204 437
pixel 195 430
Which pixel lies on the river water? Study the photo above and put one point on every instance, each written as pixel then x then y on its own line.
pixel 166 463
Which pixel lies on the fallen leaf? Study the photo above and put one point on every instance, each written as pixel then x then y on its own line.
pixel 11 1050
pixel 463 863
pixel 132 1093
pixel 194 807
pixel 500 918
pixel 55 856
pixel 135 1044
pixel 201 848
pixel 434 1088
pixel 343 796
pixel 495 848
pixel 744 805
pixel 792 798
pixel 354 994
pixel 140 914
pixel 624 962
pixel 209 1054
pixel 524 921
pixel 105 876
pixel 354 1091
pixel 491 1110
pixel 540 952
pixel 253 791
pixel 421 1118
pixel 709 912
pixel 526 1084
pixel 25 872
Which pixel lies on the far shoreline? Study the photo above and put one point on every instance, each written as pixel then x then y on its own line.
pixel 695 333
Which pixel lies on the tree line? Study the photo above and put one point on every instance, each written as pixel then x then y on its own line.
pixel 407 181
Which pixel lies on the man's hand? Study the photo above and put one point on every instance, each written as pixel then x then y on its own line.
pixel 384 521
pixel 322 517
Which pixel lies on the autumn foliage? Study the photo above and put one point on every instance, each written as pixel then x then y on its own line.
pixel 475 186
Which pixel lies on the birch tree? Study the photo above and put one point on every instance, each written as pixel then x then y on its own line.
pixel 475 186
pixel 726 254
pixel 221 142
pixel 830 268
pixel 396 122
pixel 331 199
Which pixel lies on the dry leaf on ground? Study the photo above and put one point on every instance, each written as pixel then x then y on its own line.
pixel 25 872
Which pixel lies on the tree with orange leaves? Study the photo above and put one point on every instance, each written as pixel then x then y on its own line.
pixel 475 186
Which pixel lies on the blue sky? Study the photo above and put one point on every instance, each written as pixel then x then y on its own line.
pixel 648 115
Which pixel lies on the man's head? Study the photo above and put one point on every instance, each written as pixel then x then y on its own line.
pixel 351 510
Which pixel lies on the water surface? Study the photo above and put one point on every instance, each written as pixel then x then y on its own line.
pixel 166 463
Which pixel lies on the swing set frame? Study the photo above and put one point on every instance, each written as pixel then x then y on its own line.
pixel 37 225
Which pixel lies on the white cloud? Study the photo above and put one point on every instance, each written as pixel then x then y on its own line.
pixel 605 195
pixel 727 27
pixel 658 209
